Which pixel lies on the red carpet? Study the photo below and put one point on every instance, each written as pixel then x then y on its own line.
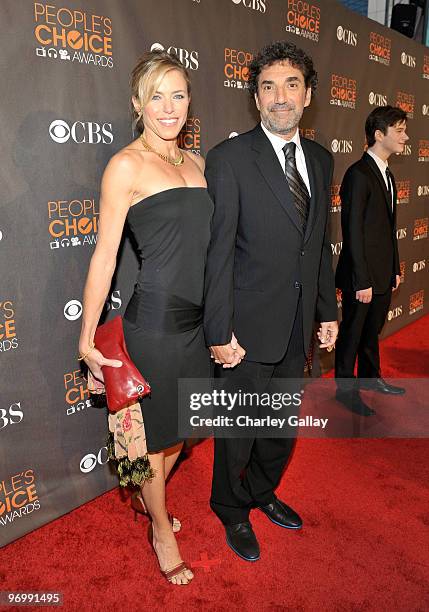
pixel 365 506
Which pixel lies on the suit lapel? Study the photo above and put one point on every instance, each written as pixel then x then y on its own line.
pixel 371 163
pixel 271 170
pixel 316 181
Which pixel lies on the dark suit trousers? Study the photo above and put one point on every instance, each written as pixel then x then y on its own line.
pixel 358 337
pixel 247 470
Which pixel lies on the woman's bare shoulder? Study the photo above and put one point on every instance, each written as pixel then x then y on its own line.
pixel 196 159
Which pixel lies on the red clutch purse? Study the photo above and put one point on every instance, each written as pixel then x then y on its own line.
pixel 125 385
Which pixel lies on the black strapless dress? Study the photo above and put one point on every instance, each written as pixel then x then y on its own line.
pixel 163 319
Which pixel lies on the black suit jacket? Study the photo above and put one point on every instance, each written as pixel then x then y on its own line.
pixel 369 257
pixel 258 258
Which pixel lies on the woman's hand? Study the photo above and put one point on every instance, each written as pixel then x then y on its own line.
pixel 95 361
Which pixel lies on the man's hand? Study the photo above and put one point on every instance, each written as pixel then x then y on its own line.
pixel 364 295
pixel 398 282
pixel 327 334
pixel 228 355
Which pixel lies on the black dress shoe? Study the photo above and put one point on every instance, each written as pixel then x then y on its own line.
pixel 282 515
pixel 242 540
pixel 380 385
pixel 353 402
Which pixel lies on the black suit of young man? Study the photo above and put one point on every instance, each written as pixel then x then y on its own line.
pixel 369 258
pixel 267 282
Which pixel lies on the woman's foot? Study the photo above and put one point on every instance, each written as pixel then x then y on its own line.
pixel 137 504
pixel 166 549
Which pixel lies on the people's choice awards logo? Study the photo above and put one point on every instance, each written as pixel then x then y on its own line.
pixel 188 58
pixel 343 91
pixel 425 71
pixel 309 133
pixel 420 228
pixel 18 496
pixel 423 155
pixel 303 19
pixel 342 146
pixel 335 198
pixel 73 35
pixel 402 266
pixel 417 301
pixel 91 460
pixel 405 101
pixel 379 48
pixel 236 68
pixel 190 136
pixel 77 396
pixel 256 5
pixel 81 132
pixel 403 189
pixel 8 335
pixel 72 223
pixel 347 36
pixel 339 295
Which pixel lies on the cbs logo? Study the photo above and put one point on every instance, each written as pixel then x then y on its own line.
pixel 73 310
pixel 81 132
pixel 15 415
pixel 90 461
pixel 188 58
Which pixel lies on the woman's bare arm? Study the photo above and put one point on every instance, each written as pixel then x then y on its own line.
pixel 117 191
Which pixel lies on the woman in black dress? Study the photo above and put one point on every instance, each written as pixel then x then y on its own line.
pixel 161 192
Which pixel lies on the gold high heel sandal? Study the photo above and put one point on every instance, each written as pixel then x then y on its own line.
pixel 138 506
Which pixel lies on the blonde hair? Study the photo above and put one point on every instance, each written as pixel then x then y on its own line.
pixel 146 77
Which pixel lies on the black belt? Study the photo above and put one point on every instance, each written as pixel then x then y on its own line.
pixel 163 312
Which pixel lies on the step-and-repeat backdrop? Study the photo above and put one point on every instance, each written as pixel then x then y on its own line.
pixel 65 110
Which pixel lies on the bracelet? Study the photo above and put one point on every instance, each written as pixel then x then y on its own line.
pixel 82 357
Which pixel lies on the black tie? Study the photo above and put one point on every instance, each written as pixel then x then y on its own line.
pixel 296 184
pixel 389 177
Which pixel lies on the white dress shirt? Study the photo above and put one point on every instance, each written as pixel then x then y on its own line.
pixel 278 143
pixel 382 166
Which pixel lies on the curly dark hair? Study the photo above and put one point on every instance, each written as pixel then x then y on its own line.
pixel 381 118
pixel 279 52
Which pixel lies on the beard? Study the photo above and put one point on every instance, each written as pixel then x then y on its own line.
pixel 278 124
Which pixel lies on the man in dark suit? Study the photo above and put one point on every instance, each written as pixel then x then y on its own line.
pixel 368 267
pixel 268 277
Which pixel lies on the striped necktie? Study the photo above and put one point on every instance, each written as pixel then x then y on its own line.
pixel 296 184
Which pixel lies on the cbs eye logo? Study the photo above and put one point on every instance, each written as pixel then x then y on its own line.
pixel 90 461
pixel 59 131
pixel 73 310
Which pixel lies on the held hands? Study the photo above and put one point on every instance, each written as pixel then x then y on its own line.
pixel 228 355
pixel 364 295
pixel 327 334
